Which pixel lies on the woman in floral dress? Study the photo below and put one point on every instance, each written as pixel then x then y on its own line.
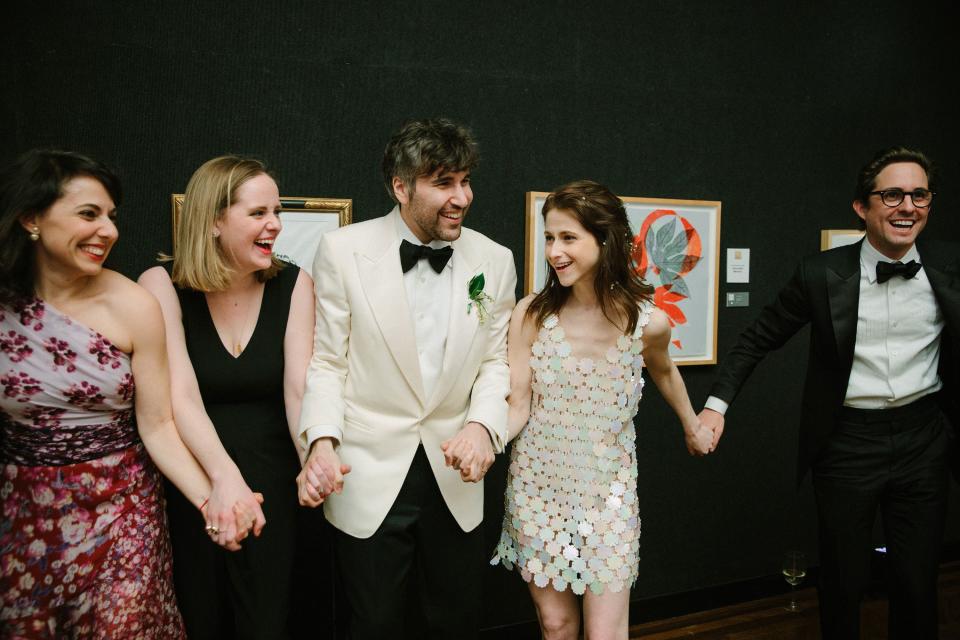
pixel 577 350
pixel 84 545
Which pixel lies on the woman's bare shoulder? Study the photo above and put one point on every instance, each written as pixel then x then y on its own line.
pixel 658 327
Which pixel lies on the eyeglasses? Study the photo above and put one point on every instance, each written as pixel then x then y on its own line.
pixel 893 197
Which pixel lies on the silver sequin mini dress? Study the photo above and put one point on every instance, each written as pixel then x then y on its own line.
pixel 571 517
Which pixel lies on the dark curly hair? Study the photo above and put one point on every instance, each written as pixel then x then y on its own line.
pixel 421 147
pixel 30 186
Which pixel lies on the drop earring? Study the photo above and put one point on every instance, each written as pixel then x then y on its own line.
pixel 35 234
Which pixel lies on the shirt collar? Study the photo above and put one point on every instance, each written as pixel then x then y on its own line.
pixel 869 257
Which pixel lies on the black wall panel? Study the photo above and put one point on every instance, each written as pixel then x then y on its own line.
pixel 769 107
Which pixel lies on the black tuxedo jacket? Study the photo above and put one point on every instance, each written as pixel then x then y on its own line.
pixel 825 292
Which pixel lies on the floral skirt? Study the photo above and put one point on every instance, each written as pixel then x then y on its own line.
pixel 85 551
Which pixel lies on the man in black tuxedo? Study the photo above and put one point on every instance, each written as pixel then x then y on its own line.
pixel 879 396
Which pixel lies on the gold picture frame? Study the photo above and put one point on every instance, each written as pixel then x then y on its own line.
pixel 833 238
pixel 304 221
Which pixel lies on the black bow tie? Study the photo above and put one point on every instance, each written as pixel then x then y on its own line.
pixel 410 253
pixel 886 270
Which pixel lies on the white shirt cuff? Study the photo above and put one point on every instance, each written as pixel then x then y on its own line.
pixel 716 404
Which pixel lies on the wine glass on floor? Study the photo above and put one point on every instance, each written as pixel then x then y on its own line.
pixel 794 571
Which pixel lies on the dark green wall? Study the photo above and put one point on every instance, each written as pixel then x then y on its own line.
pixel 769 107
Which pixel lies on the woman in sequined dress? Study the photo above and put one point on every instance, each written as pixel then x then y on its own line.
pixel 85 417
pixel 577 350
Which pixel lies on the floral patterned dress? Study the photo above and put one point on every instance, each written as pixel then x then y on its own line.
pixel 83 540
pixel 571 517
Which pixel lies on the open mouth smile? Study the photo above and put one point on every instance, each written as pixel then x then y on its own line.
pixel 94 251
pixel 265 245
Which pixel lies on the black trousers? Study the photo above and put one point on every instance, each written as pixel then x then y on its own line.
pixel 419 575
pixel 894 461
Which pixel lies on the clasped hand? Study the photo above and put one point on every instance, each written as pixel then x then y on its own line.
pixel 232 512
pixel 470 452
pixel 322 474
pixel 699 440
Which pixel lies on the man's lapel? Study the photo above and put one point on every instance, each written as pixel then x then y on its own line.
pixel 382 280
pixel 463 326
pixel 843 291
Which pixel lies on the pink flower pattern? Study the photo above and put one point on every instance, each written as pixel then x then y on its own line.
pixel 125 388
pixel 85 548
pixel 62 354
pixel 85 395
pixel 15 346
pixel 105 352
pixel 86 554
pixel 31 313
pixel 19 385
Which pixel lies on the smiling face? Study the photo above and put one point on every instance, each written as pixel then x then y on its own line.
pixel 571 250
pixel 77 231
pixel 893 230
pixel 437 206
pixel 249 226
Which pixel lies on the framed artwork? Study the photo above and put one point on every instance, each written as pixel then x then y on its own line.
pixel 304 221
pixel 676 248
pixel 832 238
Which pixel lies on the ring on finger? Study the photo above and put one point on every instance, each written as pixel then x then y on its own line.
pixel 212 530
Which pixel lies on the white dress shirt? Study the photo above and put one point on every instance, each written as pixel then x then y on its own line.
pixel 428 296
pixel 897 348
pixel 898 337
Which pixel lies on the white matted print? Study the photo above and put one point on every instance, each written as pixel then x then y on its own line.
pixel 676 247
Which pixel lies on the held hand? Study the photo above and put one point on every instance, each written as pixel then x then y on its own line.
pixel 699 440
pixel 232 511
pixel 247 520
pixel 322 474
pixel 714 421
pixel 470 452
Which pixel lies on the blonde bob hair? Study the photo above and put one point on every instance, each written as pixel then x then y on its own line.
pixel 198 261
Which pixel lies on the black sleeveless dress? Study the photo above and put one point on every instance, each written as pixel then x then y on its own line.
pixel 243 594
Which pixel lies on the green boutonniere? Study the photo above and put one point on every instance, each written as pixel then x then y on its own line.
pixel 478 297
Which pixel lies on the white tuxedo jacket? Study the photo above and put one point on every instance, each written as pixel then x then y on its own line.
pixel 364 379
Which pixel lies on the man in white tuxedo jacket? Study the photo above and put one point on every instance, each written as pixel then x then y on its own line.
pixel 405 404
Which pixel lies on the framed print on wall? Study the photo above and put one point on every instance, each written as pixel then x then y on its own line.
pixel 833 238
pixel 304 221
pixel 676 247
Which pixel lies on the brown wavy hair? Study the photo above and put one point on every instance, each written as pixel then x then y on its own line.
pixel 619 288
pixel 867 177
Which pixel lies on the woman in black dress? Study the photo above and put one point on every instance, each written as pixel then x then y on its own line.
pixel 240 334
